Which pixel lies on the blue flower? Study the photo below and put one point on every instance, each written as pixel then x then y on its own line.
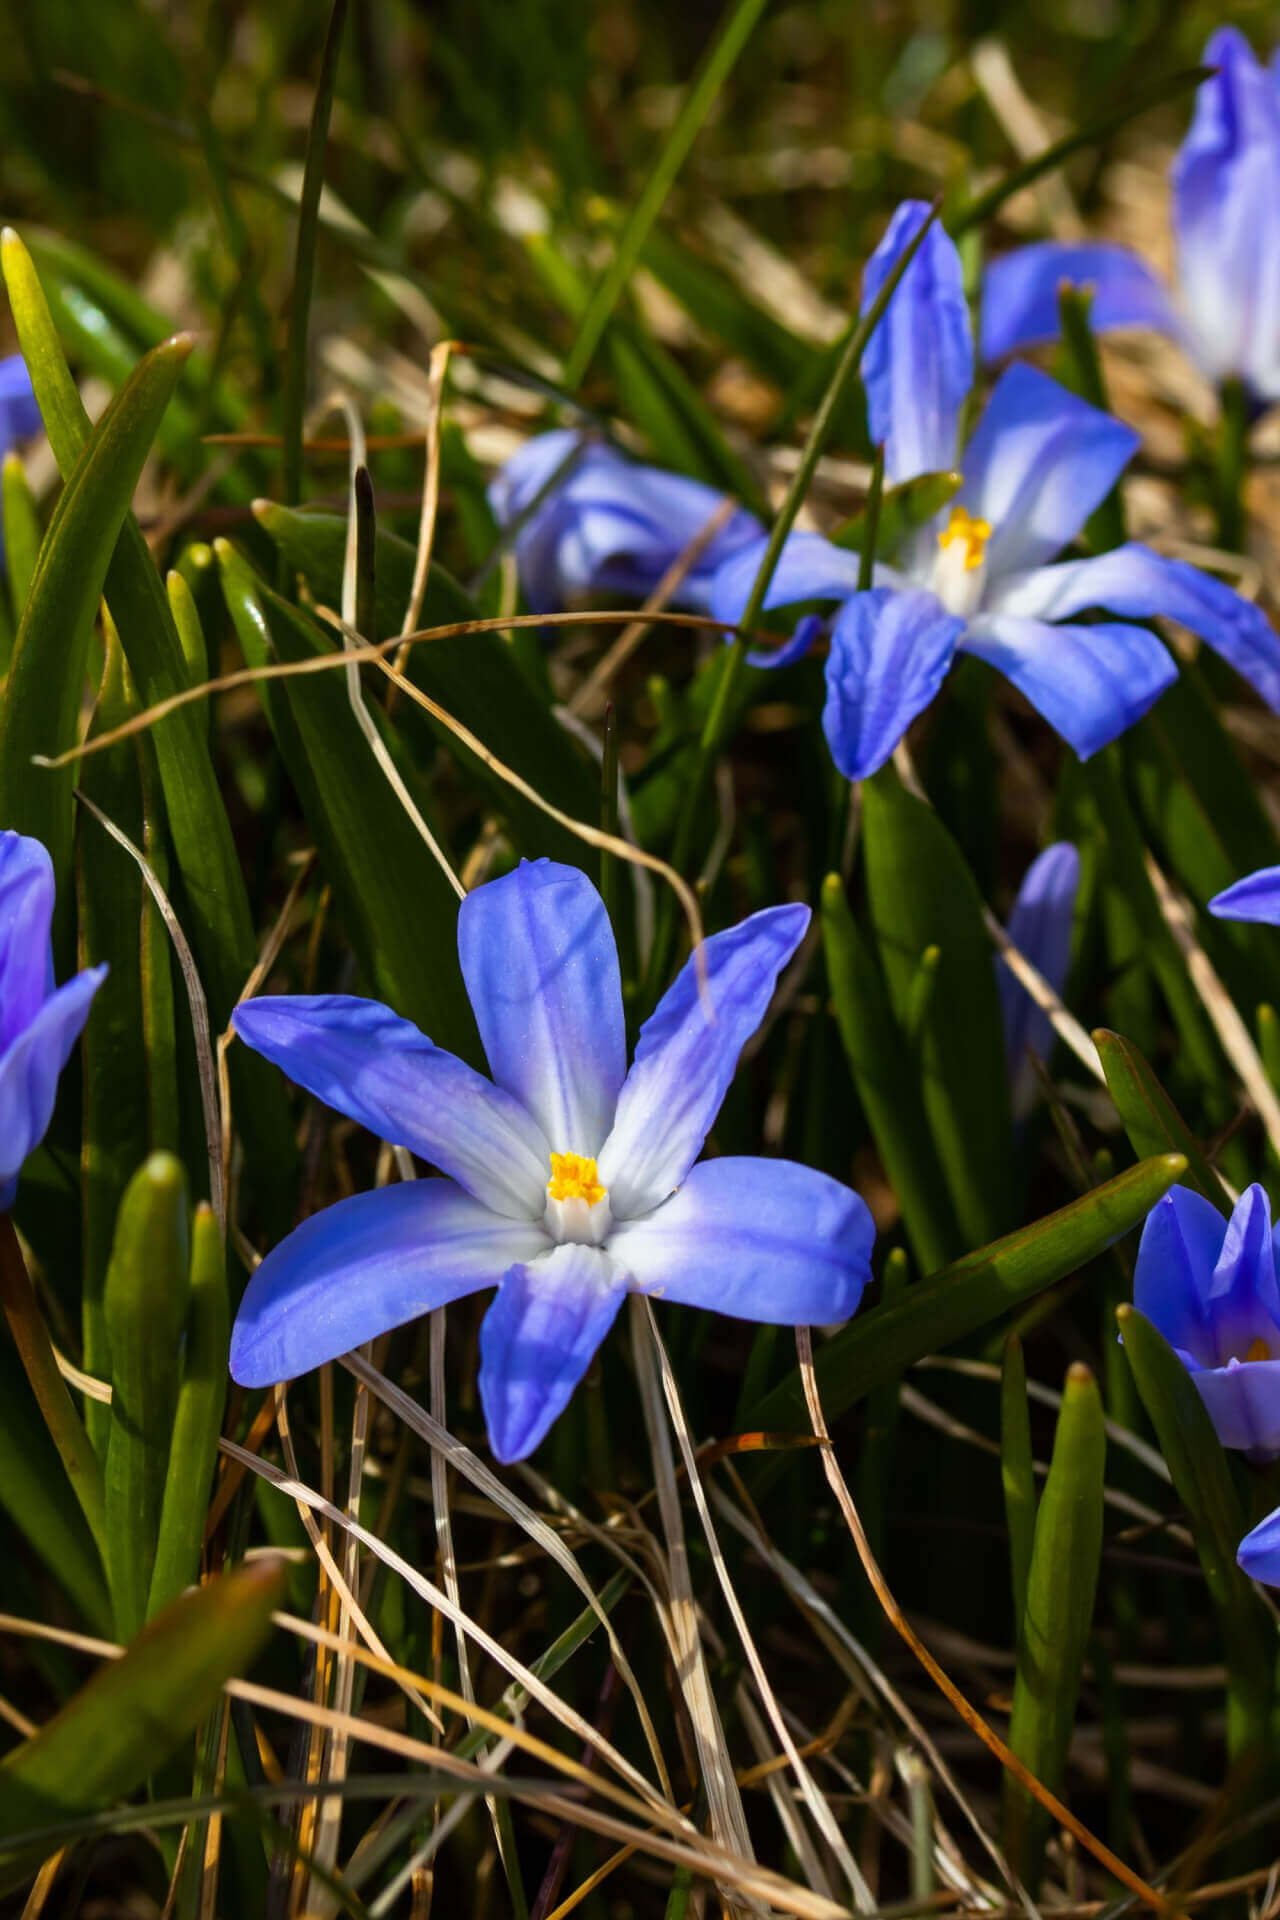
pixel 39 1023
pixel 977 577
pixel 610 526
pixel 1259 1551
pixel 1209 1286
pixel 1256 897
pixel 569 1180
pixel 1226 218
pixel 19 414
pixel 1040 928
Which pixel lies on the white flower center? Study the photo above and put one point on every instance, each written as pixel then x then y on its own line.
pixel 960 564
pixel 578 1207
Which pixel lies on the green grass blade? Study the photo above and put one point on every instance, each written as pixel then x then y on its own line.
pixel 1061 1585
pixel 46 679
pixel 37 1496
pixel 1149 1116
pixel 22 530
pixel 954 1302
pixel 1016 1473
pixel 739 22
pixel 197 1419
pixel 145 1300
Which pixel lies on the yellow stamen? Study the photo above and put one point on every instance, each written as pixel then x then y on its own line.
pixel 973 534
pixel 574 1177
pixel 1259 1350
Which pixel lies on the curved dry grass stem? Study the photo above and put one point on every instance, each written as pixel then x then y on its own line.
pixel 437 368
pixel 1102 1853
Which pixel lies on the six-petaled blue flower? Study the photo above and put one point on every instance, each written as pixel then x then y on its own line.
pixel 977 578
pixel 610 525
pixel 1225 311
pixel 569 1179
pixel 39 1023
pixel 1209 1285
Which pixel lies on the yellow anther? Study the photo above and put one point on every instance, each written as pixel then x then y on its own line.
pixel 574 1177
pixel 1259 1350
pixel 972 534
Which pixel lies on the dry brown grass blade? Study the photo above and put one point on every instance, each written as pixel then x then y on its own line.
pixel 1112 1862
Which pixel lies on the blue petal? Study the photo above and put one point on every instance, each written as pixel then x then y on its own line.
pixel 366 1265
pixel 1040 928
pixel 890 652
pixel 541 966
pixel 786 655
pixel 1020 294
pixel 537 1340
pixel 1259 1551
pixel 1179 1249
pixel 1243 1304
pixel 362 1059
pixel 1226 218
pixel 26 913
pixel 1142 585
pixel 1256 897
pixel 918 364
pixel 758 1239
pixel 1039 463
pixel 1090 683
pixel 19 413
pixel 1243 1402
pixel 686 1056
pixel 809 568
pixel 612 525
pixel 29 1070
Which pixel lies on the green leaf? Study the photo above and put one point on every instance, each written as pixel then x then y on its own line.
pixel 960 1298
pixel 902 509
pixel 1149 1116
pixel 197 1419
pixel 1017 1473
pixel 145 1302
pixel 22 531
pixel 400 911
pixel 473 676
pixel 921 894
pixel 876 1051
pixel 217 917
pixel 46 679
pixel 36 1494
pixel 1202 1480
pixel 1061 1585
pixel 137 1710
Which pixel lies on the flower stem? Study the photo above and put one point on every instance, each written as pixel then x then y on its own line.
pixel 35 1350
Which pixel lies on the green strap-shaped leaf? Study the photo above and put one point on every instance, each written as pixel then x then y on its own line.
pixel 46 678
pixel 218 920
pixel 1203 1483
pixel 22 530
pixel 473 676
pixel 1017 1474
pixel 148 1284
pixel 400 911
pixel 921 894
pixel 937 1312
pixel 1061 1584
pixel 197 1419
pixel 1149 1116
pixel 136 1710
pixel 36 1494
pixel 882 1072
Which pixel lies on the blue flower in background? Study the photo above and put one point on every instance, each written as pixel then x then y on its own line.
pixel 39 1023
pixel 1209 1286
pixel 1256 897
pixel 19 414
pixel 1225 311
pixel 569 1179
pixel 610 526
pixel 1259 1552
pixel 1040 928
pixel 975 579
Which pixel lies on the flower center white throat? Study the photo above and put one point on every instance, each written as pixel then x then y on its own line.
pixel 577 1207
pixel 960 564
